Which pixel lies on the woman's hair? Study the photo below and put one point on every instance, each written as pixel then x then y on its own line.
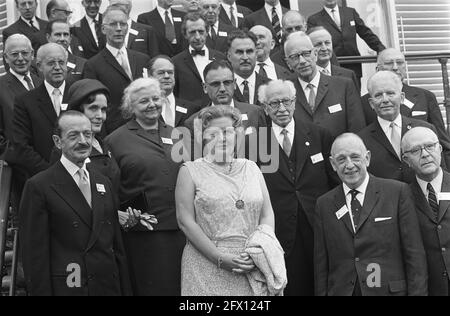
pixel 133 88
pixel 88 100
pixel 214 112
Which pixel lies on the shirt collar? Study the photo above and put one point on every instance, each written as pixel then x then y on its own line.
pixel 436 183
pixel 231 104
pixel 171 99
pixel 315 81
pixel 251 79
pixel 72 168
pixel 329 10
pixel 162 11
pixel 204 47
pixel 114 51
pixel 385 125
pixel 227 7
pixel 277 129
pixel 35 22
pixel 361 189
pixel 269 9
pixel 51 88
pixel 269 63
pixel 328 67
pixel 91 20
pixel 19 76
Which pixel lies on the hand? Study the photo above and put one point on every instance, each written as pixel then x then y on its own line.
pixel 130 218
pixel 240 264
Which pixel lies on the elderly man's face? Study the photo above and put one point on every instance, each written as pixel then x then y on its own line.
pixel 330 3
pixel 386 99
pixel 350 160
pixel 220 86
pixel 293 23
pixel 165 3
pixel 265 42
pixel 92 7
pixel 301 57
pixel 324 45
pixel 115 28
pixel 61 11
pixel 192 5
pixel 242 56
pixel 19 55
pixel 210 10
pixel 196 34
pixel 422 152
pixel 27 8
pixel 54 66
pixel 280 105
pixel 60 35
pixel 164 71
pixel 394 61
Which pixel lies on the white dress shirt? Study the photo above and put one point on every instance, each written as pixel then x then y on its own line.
pixel 227 7
pixel 362 189
pixel 328 68
pixel 72 169
pixel 436 183
pixel 251 86
pixel 269 68
pixel 315 82
pixel 92 27
pixel 216 28
pixel 386 126
pixel 21 78
pixel 162 13
pixel 50 90
pixel 201 61
pixel 231 104
pixel 279 9
pixel 338 22
pixel 172 105
pixel 115 52
pixel 290 132
pixel 35 22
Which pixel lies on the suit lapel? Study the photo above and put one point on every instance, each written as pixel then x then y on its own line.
pixel 15 86
pixel 139 131
pixel 339 200
pixel 410 95
pixel 370 200
pixel 421 201
pixel 110 59
pixel 284 168
pixel 378 134
pixel 190 63
pixel 45 104
pixel 301 98
pixel 178 115
pixel 444 205
pixel 322 89
pixel 98 208
pixel 87 31
pixel 133 64
pixel 302 151
pixel 330 21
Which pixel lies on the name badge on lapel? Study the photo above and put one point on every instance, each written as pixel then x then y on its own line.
pixel 341 213
pixel 223 34
pixel 80 48
pixel 101 188
pixel 352 23
pixel 249 131
pixel 240 15
pixel 244 117
pixel 144 73
pixel 181 109
pixel 167 141
pixel 444 196
pixel 335 108
pixel 177 19
pixel 71 65
pixel 134 32
pixel 418 113
pixel 139 40
pixel 408 103
pixel 64 106
pixel 317 158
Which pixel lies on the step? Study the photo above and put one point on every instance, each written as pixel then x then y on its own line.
pixel 8 257
pixel 418 2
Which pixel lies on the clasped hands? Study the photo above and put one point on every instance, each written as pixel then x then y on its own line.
pixel 132 217
pixel 240 264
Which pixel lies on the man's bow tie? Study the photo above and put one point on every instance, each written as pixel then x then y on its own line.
pixel 198 52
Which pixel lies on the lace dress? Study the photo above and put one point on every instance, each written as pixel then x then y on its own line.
pixel 224 221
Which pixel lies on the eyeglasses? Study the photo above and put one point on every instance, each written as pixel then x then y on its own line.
pixel 305 54
pixel 417 151
pixel 218 84
pixel 66 12
pixel 122 25
pixel 380 96
pixel 25 54
pixel 275 105
pixel 97 2
pixel 294 29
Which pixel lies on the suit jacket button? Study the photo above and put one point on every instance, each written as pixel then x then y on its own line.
pixel 444 250
pixel 90 277
pixel 357 259
pixel 439 227
pixel 445 274
pixel 75 224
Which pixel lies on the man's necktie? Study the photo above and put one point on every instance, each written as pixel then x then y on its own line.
pixel 57 101
pixel 124 64
pixel 198 53
pixel 312 97
pixel 325 72
pixel 262 72
pixel 432 199
pixel 336 18
pixel 85 188
pixel 395 139
pixel 170 29
pixel 168 115
pixel 29 82
pixel 33 26
pixel 233 17
pixel 356 208
pixel 246 92
pixel 276 24
pixel 287 146
pixel 97 31
pixel 213 34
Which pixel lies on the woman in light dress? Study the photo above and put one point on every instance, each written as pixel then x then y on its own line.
pixel 220 203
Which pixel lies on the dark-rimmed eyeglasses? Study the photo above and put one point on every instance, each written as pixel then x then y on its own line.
pixel 276 104
pixel 25 54
pixel 305 54
pixel 416 151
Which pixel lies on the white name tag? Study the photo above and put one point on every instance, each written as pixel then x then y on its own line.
pixel 317 158
pixel 139 40
pixel 167 141
pixel 408 103
pixel 352 23
pixel 177 19
pixel 64 106
pixel 71 65
pixel 444 196
pixel 249 131
pixel 80 48
pixel 244 117
pixel 144 73
pixel 134 32
pixel 382 219
pixel 418 113
pixel 101 188
pixel 240 15
pixel 181 109
pixel 335 108
pixel 341 213
pixel 223 34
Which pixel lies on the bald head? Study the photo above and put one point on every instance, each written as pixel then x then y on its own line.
pixel 265 42
pixel 52 62
pixel 292 22
pixel 348 140
pixel 17 39
pixel 392 59
pixel 386 77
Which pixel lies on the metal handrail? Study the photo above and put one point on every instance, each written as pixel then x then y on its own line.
pixel 5 188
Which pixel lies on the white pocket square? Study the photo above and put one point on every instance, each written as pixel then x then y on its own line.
pixel 139 40
pixel 382 219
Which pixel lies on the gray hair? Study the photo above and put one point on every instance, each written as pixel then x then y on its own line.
pixel 16 37
pixel 113 8
pixel 134 87
pixel 297 36
pixel 43 51
pixel 218 111
pixel 383 76
pixel 262 92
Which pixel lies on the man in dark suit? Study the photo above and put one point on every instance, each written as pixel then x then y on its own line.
pixel 264 45
pixel 72 243
pixel 220 85
pixel 322 41
pixel 36 111
pixel 242 57
pixel 270 16
pixel 383 136
pixel 167 24
pixel 141 38
pixel 233 14
pixel 418 103
pixel 116 66
pixel 27 24
pixel 344 23
pixel 331 102
pixel 176 111
pixel 304 173
pixel 431 189
pixel 367 239
pixel 190 64
pixel 217 31
pixel 89 29
pixel 59 32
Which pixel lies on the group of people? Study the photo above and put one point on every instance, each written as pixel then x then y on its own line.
pixel 101 122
